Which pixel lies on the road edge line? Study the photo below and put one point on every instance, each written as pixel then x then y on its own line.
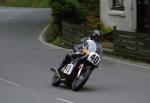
pixel 136 65
pixel 9 82
pixel 41 38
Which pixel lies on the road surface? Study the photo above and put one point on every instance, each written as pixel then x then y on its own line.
pixel 25 76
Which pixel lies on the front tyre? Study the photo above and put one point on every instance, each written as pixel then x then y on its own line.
pixel 55 80
pixel 79 82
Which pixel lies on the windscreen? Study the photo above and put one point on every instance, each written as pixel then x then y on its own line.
pixel 91 45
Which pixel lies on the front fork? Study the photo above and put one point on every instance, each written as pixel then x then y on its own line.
pixel 80 70
pixel 56 71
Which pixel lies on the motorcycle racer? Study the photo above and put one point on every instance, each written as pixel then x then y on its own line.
pixel 77 49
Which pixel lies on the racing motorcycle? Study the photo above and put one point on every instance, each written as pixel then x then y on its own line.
pixel 76 73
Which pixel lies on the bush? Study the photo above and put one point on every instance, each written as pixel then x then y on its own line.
pixel 78 12
pixel 52 32
pixel 92 19
pixel 68 10
pixel 57 41
pixel 108 32
pixel 74 12
pixel 40 3
pixel 19 3
pixel 25 3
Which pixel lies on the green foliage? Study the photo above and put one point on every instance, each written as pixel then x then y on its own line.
pixel 106 29
pixel 77 11
pixel 21 3
pixel 40 3
pixel 52 32
pixel 92 21
pixel 57 41
pixel 68 10
pixel 74 11
pixel 25 3
pixel 91 5
pixel 92 18
pixel 108 32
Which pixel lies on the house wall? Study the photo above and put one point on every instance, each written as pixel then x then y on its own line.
pixel 123 20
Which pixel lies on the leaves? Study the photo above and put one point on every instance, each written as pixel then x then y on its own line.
pixel 69 10
pixel 25 3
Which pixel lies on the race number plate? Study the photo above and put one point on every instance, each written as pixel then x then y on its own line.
pixel 94 58
pixel 68 69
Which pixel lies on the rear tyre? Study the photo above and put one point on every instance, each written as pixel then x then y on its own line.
pixel 78 83
pixel 55 80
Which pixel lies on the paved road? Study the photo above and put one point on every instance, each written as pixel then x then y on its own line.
pixel 25 61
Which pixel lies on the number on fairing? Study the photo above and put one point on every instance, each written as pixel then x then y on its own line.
pixel 68 69
pixel 94 58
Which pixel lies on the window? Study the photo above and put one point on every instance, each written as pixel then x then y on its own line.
pixel 118 5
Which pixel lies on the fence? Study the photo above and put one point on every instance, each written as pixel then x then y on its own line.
pixel 72 33
pixel 132 44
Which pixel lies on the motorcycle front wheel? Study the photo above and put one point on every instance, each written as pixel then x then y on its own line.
pixel 55 80
pixel 79 82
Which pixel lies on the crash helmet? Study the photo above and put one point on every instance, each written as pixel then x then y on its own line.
pixel 95 35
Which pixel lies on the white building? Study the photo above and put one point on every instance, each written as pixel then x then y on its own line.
pixel 126 15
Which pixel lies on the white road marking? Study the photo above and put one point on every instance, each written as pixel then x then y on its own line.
pixel 60 99
pixel 9 82
pixel 41 38
pixel 135 65
pixel 50 45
